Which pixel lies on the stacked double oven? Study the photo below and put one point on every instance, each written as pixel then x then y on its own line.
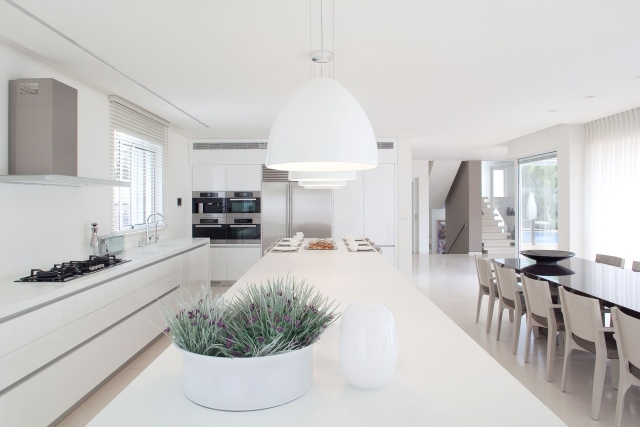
pixel 230 217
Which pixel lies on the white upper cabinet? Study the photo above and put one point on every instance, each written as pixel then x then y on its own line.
pixel 348 208
pixel 244 177
pixel 380 204
pixel 209 178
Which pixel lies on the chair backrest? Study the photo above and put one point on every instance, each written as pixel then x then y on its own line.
pixel 507 282
pixel 610 260
pixel 636 266
pixel 627 336
pixel 483 267
pixel 581 315
pixel 537 296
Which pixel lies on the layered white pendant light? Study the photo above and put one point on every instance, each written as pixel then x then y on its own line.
pixel 322 176
pixel 322 127
pixel 322 183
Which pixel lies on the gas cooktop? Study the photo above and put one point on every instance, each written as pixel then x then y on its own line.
pixel 73 269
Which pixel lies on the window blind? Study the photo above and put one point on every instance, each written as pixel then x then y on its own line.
pixel 138 156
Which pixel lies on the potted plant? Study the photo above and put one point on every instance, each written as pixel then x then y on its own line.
pixel 253 351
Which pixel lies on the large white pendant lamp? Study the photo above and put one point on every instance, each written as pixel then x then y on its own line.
pixel 322 127
pixel 322 176
pixel 322 183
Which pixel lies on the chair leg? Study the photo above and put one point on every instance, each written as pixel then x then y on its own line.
pixel 492 302
pixel 527 335
pixel 536 332
pixel 480 293
pixel 615 372
pixel 551 351
pixel 500 311
pixel 565 365
pixel 623 386
pixel 598 385
pixel 516 333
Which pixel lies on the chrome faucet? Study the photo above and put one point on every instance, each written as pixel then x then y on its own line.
pixel 148 241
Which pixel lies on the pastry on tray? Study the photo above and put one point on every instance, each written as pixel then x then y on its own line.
pixel 321 244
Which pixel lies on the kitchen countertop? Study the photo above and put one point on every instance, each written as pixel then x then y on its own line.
pixel 20 297
pixel 442 378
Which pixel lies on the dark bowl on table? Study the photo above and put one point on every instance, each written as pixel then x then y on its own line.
pixel 547 257
pixel 547 270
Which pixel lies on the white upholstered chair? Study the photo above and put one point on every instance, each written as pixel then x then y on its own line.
pixel 610 260
pixel 510 298
pixel 542 312
pixel 627 334
pixel 487 286
pixel 585 332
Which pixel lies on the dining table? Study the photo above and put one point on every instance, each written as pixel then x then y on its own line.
pixel 613 286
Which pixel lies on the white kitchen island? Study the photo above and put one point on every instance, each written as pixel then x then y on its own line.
pixel 443 377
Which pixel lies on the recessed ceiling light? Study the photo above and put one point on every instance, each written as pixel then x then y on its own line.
pixel 553 111
pixel 590 96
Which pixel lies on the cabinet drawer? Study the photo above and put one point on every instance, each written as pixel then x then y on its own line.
pixel 100 296
pixel 100 357
pixel 21 362
pixel 29 327
pixel 42 398
pixel 157 271
pixel 152 323
pixel 101 319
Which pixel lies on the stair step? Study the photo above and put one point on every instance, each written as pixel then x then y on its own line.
pixel 494 236
pixel 488 210
pixel 486 200
pixel 492 223
pixel 497 243
pixel 510 253
pixel 492 229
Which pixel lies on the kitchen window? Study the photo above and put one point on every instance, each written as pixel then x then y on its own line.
pixel 138 156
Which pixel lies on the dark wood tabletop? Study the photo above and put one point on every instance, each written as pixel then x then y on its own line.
pixel 612 285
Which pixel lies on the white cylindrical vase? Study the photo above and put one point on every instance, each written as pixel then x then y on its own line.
pixel 249 383
pixel 368 344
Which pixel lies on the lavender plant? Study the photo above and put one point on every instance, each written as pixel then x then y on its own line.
pixel 260 321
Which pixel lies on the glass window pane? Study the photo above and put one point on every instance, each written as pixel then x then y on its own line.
pixel 538 191
pixel 498 183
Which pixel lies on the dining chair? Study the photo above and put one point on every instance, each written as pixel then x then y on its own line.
pixel 610 260
pixel 585 332
pixel 542 312
pixel 635 266
pixel 627 334
pixel 510 298
pixel 487 286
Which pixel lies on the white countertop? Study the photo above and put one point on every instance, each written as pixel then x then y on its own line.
pixel 18 297
pixel 443 377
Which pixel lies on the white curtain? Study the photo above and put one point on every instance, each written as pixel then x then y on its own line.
pixel 612 186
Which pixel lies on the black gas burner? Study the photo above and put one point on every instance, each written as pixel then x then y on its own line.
pixel 70 270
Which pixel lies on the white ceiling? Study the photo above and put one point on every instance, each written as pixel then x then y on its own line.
pixel 459 77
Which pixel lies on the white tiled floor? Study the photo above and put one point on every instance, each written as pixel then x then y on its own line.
pixel 450 281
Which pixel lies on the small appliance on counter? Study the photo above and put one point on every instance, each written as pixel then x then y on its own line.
pixel 70 270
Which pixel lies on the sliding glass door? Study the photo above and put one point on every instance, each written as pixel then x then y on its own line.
pixel 538 198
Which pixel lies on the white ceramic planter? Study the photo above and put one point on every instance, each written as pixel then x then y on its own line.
pixel 247 384
pixel 368 344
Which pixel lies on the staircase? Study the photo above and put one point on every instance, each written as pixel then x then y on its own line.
pixel 495 239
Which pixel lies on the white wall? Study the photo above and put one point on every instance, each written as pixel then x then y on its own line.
pixel 568 141
pixel 42 225
pixel 178 185
pixel 421 171
pixel 405 223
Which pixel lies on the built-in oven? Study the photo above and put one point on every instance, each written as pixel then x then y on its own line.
pixel 243 229
pixel 210 226
pixel 208 202
pixel 243 202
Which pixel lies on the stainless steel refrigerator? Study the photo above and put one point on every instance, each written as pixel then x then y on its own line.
pixel 288 208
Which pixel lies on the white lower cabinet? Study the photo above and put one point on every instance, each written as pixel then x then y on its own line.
pixel 41 399
pixel 240 260
pixel 97 331
pixel 218 263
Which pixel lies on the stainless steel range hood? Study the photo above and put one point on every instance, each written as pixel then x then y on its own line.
pixel 43 135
